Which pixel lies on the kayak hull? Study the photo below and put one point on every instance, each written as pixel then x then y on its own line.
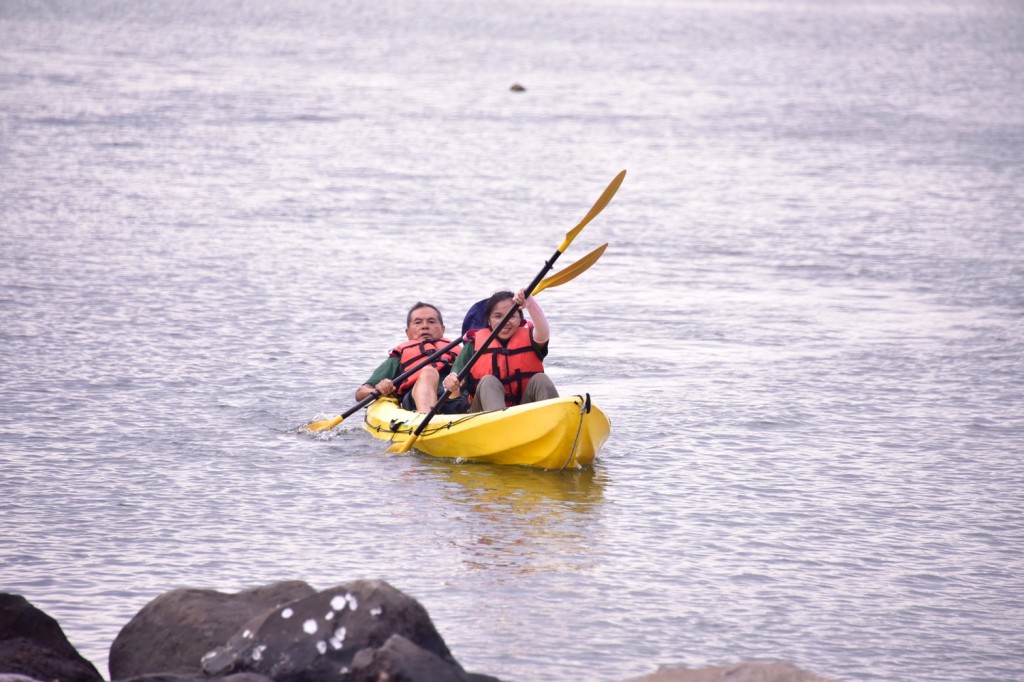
pixel 565 432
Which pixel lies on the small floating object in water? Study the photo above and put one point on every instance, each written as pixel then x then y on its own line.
pixel 516 87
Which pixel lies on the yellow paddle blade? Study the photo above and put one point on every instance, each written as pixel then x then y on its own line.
pixel 401 448
pixel 323 425
pixel 571 272
pixel 598 207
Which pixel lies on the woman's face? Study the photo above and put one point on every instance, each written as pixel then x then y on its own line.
pixel 498 314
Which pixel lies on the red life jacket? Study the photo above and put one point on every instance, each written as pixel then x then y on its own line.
pixel 412 352
pixel 513 363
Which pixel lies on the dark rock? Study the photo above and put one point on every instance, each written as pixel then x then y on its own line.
pixel 33 644
pixel 197 677
pixel 27 657
pixel 738 672
pixel 171 633
pixel 399 660
pixel 10 677
pixel 516 87
pixel 315 639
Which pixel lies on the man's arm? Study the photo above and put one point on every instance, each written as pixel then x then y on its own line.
pixel 381 379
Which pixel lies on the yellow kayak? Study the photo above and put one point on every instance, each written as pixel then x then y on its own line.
pixel 549 434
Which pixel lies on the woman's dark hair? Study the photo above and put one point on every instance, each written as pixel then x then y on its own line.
pixel 496 298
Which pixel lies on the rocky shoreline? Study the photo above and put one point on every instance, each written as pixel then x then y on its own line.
pixel 360 631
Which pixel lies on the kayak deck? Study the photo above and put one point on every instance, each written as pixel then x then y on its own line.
pixel 549 434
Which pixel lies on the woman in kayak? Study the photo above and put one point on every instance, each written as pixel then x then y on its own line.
pixel 510 371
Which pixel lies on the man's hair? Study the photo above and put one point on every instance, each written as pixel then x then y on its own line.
pixel 420 304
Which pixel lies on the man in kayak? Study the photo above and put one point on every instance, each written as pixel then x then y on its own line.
pixel 510 371
pixel 424 328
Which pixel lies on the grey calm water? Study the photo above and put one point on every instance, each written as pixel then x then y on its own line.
pixel 808 330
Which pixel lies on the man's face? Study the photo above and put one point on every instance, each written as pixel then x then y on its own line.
pixel 425 323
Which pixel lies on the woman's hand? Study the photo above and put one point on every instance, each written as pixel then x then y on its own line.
pixel 520 299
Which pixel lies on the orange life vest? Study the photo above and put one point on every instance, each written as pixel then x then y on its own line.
pixel 412 352
pixel 513 363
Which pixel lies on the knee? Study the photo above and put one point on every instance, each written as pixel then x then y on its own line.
pixel 542 379
pixel 541 387
pixel 490 395
pixel 428 377
pixel 489 381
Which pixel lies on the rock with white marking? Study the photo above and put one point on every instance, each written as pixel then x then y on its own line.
pixel 172 632
pixel 316 639
pixel 197 677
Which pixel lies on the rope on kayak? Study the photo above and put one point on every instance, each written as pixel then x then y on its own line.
pixel 584 409
pixel 394 427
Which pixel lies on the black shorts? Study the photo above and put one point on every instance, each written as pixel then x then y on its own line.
pixel 458 405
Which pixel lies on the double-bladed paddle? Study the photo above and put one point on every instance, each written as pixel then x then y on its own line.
pixel 606 196
pixel 559 278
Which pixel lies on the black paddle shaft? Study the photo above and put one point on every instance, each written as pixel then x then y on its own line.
pixel 401 377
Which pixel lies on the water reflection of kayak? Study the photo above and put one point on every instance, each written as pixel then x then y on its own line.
pixel 518 491
pixel 549 434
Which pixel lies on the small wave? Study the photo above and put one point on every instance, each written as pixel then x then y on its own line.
pixel 316 118
pixel 758 578
pixel 58 121
pixel 119 145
